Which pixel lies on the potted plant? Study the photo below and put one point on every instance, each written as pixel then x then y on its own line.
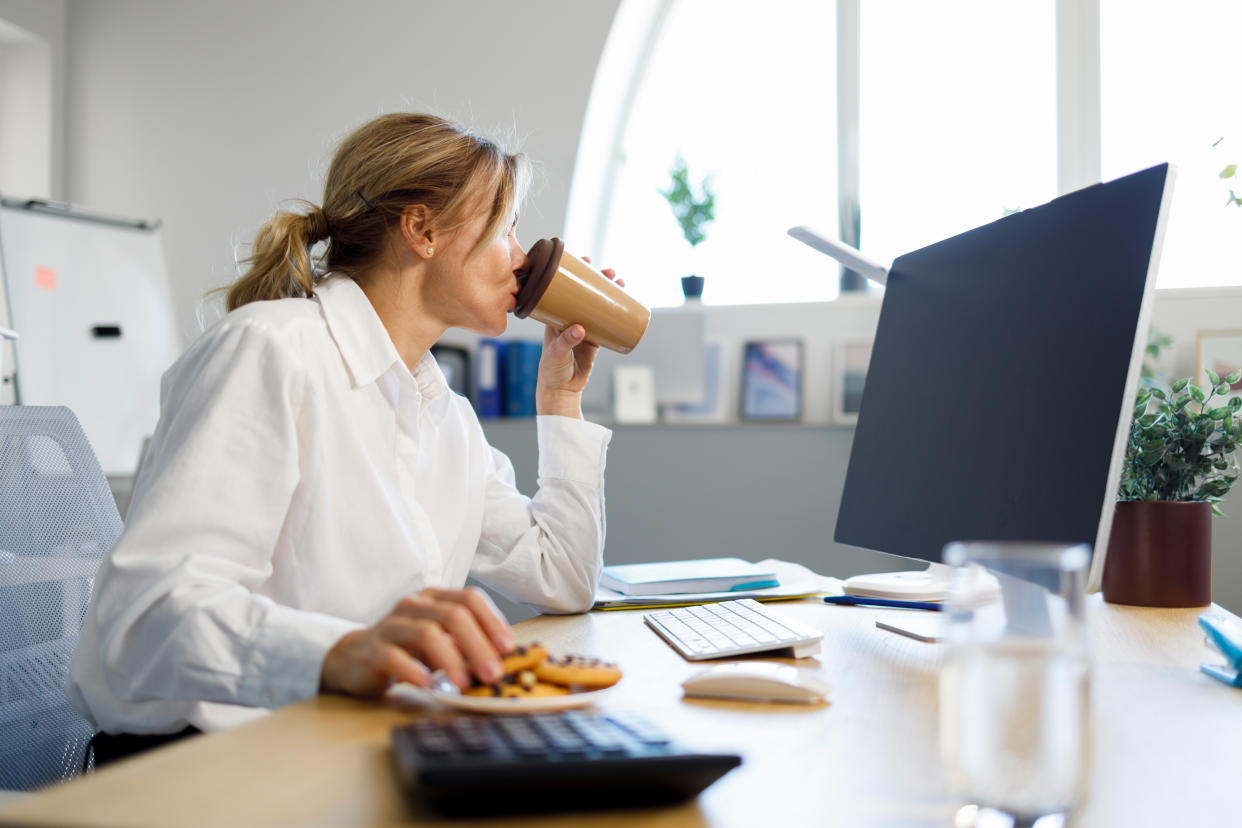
pixel 1180 461
pixel 694 208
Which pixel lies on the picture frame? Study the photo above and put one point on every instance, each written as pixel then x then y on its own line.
pixel 772 380
pixel 1222 352
pixel 851 357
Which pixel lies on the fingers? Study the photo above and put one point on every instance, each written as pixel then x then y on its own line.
pixel 366 662
pixel 456 630
pixel 432 642
pixel 561 345
pixel 608 271
pixel 463 636
pixel 572 335
pixel 399 665
pixel 489 618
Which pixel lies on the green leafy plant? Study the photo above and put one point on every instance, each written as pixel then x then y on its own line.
pixel 694 207
pixel 1182 447
pixel 1156 342
pixel 1227 173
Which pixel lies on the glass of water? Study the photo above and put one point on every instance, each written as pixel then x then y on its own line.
pixel 1015 688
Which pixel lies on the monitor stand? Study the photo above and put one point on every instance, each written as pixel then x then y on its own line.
pixel 931 584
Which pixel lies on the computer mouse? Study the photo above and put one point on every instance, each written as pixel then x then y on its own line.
pixel 764 681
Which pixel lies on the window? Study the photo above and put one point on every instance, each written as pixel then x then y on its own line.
pixel 746 96
pixel 960 118
pixel 1169 90
pixel 957 117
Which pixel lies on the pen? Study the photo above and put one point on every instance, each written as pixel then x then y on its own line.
pixel 855 601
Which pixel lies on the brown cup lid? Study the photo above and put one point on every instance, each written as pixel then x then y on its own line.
pixel 542 262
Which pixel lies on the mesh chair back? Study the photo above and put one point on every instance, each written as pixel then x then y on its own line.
pixel 57 520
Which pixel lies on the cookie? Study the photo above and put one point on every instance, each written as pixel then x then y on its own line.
pixel 507 689
pixel 578 670
pixel 523 658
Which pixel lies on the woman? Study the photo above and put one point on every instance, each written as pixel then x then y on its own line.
pixel 314 496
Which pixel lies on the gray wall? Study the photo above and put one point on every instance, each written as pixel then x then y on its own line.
pixel 209 114
pixel 33 110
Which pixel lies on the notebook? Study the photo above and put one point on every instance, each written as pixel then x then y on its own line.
pixel 675 577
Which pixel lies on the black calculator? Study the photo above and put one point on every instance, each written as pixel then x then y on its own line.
pixel 462 764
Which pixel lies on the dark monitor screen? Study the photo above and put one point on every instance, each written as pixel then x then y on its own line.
pixel 1004 361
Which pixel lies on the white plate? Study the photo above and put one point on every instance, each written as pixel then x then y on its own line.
pixel 515 704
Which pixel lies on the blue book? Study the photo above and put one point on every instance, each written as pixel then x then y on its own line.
pixel 489 398
pixel 521 371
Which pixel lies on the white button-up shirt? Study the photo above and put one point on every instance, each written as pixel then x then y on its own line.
pixel 302 480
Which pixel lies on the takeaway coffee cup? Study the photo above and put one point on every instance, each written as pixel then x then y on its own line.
pixel 559 289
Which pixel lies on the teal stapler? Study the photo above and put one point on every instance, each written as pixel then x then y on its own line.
pixel 1224 634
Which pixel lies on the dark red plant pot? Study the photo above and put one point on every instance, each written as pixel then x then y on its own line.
pixel 1160 554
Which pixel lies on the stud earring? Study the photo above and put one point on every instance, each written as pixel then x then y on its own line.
pixel 430 250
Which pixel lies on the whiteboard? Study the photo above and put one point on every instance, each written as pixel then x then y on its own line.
pixel 89 296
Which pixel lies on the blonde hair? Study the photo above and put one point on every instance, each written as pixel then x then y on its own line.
pixel 383 167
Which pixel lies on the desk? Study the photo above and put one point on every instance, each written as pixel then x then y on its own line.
pixel 1165 740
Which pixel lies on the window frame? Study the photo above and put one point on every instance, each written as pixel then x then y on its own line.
pixel 627 56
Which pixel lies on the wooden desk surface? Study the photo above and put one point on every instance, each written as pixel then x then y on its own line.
pixel 1165 739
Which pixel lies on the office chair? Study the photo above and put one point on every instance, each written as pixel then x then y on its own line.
pixel 57 520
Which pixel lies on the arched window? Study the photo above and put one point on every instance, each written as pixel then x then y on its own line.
pixel 921 119
pixel 746 95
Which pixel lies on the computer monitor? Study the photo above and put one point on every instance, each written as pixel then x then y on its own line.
pixel 1002 380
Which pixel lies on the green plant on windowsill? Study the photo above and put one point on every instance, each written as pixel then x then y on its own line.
pixel 1231 172
pixel 1182 447
pixel 694 207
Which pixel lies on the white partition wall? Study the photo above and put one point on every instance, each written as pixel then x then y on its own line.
pixel 89 296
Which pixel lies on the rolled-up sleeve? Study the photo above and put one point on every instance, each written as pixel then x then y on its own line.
pixel 547 551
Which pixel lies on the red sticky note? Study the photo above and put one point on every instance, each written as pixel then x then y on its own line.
pixel 45 278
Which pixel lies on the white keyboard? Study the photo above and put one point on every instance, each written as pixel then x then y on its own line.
pixel 730 628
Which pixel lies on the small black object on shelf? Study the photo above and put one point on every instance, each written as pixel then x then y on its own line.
pixel 692 287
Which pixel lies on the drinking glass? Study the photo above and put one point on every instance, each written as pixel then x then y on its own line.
pixel 1014 691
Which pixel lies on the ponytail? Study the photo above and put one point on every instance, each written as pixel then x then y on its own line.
pixel 383 167
pixel 280 263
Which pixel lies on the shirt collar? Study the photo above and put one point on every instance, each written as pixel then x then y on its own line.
pixel 365 345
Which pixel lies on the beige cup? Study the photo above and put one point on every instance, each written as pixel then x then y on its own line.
pixel 559 290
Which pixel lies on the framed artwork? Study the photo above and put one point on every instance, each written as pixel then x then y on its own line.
pixel 850 375
pixel 772 380
pixel 1222 352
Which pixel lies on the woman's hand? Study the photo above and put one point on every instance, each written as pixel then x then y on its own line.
pixel 565 367
pixel 455 630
